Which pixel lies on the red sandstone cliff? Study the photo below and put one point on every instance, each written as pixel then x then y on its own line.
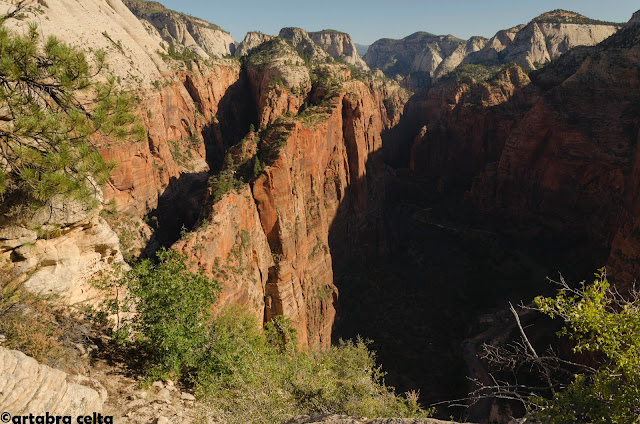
pixel 316 183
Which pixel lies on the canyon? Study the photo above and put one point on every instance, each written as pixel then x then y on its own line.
pixel 404 196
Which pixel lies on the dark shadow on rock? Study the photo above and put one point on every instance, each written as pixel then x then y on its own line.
pixel 421 270
pixel 180 205
pixel 236 113
pixel 177 211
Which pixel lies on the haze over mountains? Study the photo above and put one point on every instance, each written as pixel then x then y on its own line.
pixel 406 194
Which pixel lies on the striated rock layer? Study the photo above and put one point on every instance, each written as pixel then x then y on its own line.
pixel 27 387
pixel 318 182
pixel 338 45
pixel 268 243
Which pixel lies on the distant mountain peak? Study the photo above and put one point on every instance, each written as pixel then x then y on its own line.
pixel 561 16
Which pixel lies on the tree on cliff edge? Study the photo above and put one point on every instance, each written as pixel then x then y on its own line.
pixel 51 109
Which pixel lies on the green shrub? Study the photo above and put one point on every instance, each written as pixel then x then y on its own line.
pixel 270 381
pixel 245 374
pixel 172 325
pixel 602 323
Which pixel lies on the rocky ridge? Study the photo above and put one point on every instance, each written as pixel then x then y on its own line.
pixel 202 37
pixel 251 41
pixel 425 57
pixel 338 45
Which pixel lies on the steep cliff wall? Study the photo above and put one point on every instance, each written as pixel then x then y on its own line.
pixel 318 180
pixel 338 45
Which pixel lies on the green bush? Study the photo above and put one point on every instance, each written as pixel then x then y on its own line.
pixel 172 325
pixel 245 374
pixel 606 325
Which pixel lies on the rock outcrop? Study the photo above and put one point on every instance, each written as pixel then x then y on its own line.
pixel 202 37
pixel 420 52
pixel 317 188
pixel 279 78
pixel 101 25
pixel 71 245
pixel 338 45
pixel 27 387
pixel 250 42
pixel 303 43
pixel 545 38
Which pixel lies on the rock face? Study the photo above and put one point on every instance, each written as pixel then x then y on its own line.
pixel 420 52
pixel 303 43
pixel 250 42
pixel 463 126
pixel 428 57
pixel 231 246
pixel 202 37
pixel 180 136
pixel 558 154
pixel 279 78
pixel 72 244
pixel 269 243
pixel 273 239
pixel 541 41
pixel 27 387
pixel 338 45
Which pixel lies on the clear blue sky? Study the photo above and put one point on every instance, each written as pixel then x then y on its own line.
pixel 370 20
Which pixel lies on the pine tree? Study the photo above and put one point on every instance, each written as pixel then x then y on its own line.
pixel 46 131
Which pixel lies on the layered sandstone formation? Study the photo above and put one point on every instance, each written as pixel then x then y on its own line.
pixel 280 80
pixel 100 25
pixel 545 38
pixel 70 244
pixel 461 126
pixel 338 45
pixel 303 43
pixel 425 57
pixel 420 52
pixel 202 37
pixel 27 387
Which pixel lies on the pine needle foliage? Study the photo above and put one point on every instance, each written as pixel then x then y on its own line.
pixel 51 113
